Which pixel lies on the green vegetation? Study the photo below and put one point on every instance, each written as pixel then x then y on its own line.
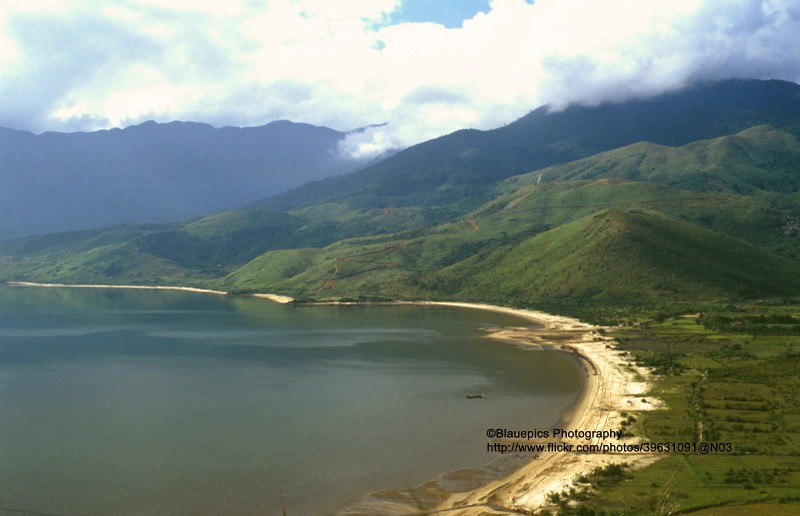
pixel 455 169
pixel 553 243
pixel 618 257
pixel 723 386
pixel 759 160
pixel 691 251
pixel 221 240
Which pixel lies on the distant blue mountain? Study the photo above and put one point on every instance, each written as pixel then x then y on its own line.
pixel 154 172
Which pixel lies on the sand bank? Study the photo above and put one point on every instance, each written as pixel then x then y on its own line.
pixel 137 287
pixel 272 297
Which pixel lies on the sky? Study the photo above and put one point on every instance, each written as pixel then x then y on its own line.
pixel 417 69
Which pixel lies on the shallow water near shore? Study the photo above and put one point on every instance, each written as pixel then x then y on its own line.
pixel 156 402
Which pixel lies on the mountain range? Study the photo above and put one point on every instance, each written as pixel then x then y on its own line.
pixel 445 170
pixel 154 173
pixel 691 195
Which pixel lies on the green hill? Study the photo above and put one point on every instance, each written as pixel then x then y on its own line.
pixel 610 257
pixel 619 257
pixel 757 160
pixel 200 249
pixel 333 251
pixel 769 222
pixel 442 219
pixel 217 241
pixel 745 165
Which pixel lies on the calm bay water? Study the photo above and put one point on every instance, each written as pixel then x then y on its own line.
pixel 155 402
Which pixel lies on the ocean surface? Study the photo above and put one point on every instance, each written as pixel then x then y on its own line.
pixel 162 402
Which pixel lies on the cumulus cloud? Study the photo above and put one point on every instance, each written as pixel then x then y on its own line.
pixel 94 64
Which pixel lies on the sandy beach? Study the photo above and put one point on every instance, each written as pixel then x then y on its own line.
pixel 613 386
pixel 134 287
pixel 272 297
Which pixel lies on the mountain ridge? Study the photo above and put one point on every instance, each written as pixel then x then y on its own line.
pixel 760 159
pixel 154 173
pixel 446 168
pixel 739 191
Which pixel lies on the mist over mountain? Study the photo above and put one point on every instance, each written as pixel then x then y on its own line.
pixel 154 173
pixel 446 170
pixel 709 169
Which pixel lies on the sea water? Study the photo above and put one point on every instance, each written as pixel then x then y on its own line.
pixel 162 402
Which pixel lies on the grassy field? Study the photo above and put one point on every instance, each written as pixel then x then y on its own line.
pixel 728 374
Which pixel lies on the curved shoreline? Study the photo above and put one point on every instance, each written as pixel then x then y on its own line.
pixel 132 287
pixel 612 387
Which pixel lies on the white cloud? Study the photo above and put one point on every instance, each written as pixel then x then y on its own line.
pixel 86 65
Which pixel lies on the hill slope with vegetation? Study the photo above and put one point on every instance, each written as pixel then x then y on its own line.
pixel 454 170
pixel 758 160
pixel 381 233
pixel 619 257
